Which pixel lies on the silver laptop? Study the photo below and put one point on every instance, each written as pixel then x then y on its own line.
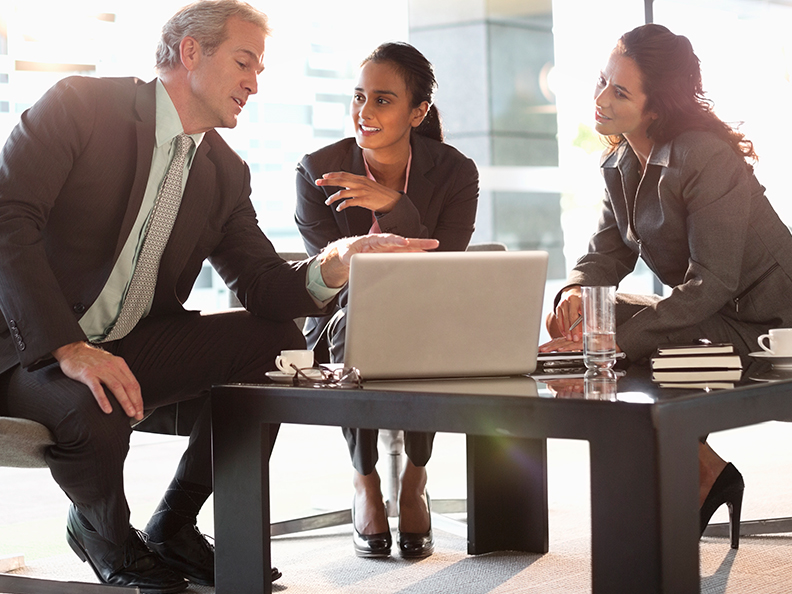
pixel 444 315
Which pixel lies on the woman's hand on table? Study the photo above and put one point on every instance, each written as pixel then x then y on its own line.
pixel 561 345
pixel 563 322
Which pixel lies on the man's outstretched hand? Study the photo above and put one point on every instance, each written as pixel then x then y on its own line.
pixel 335 258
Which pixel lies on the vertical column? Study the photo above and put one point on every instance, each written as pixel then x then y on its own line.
pixel 492 59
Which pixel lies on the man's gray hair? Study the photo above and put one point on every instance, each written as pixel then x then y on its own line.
pixel 205 21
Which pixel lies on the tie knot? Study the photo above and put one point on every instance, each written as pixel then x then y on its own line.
pixel 183 144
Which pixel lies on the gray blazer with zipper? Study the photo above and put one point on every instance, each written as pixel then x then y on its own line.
pixel 702 223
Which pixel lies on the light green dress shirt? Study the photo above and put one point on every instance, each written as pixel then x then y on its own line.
pixel 98 321
pixel 102 315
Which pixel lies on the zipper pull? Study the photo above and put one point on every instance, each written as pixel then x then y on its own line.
pixel 736 305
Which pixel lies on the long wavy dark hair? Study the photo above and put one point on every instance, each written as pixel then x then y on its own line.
pixel 419 77
pixel 671 78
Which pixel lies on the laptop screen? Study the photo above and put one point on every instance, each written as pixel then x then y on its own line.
pixel 445 314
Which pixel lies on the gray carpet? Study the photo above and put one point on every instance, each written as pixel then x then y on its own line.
pixel 323 562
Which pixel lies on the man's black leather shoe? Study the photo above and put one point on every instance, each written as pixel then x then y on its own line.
pixel 190 554
pixel 130 564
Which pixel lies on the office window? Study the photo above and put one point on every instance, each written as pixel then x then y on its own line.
pixel 746 59
pixel 584 35
pixel 311 64
pixel 316 47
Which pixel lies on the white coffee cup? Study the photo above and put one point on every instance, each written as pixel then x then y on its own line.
pixel 302 359
pixel 780 342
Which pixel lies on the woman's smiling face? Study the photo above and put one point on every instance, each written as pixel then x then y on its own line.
pixel 381 108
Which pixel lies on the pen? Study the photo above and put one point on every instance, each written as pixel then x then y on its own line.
pixel 575 323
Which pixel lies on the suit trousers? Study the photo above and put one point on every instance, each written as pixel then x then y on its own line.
pixel 362 443
pixel 176 359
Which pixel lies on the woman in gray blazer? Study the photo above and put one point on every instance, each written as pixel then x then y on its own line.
pixel 395 176
pixel 680 195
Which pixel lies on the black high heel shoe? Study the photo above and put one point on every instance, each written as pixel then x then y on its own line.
pixel 728 488
pixel 417 545
pixel 370 545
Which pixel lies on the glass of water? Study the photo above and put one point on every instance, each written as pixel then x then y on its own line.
pixel 599 327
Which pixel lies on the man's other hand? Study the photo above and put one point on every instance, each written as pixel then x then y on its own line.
pixel 98 369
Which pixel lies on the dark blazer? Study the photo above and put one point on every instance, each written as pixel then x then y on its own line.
pixel 72 178
pixel 440 202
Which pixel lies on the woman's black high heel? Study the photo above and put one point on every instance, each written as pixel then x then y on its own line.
pixel 417 545
pixel 370 545
pixel 728 488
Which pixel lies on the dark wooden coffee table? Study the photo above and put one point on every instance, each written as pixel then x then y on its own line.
pixel 644 465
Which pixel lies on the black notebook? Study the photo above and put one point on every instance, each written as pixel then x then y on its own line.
pixel 698 348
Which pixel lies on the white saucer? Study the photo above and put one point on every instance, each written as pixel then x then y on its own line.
pixel 286 378
pixel 280 377
pixel 777 361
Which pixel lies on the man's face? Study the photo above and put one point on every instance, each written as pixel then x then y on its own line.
pixel 222 82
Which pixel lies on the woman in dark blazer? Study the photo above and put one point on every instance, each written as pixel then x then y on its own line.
pixel 681 196
pixel 395 176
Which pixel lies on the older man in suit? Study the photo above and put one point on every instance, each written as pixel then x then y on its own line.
pixel 112 194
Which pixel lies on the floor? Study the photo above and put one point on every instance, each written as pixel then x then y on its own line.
pixel 310 471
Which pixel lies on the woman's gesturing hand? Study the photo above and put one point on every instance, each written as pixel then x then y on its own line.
pixel 359 191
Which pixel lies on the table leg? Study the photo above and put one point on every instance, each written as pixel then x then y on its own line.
pixel 242 514
pixel 643 525
pixel 679 507
pixel 507 494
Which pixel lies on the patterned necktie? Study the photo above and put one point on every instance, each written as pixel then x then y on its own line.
pixel 163 214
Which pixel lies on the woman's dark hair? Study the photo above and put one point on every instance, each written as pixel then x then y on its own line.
pixel 419 77
pixel 671 78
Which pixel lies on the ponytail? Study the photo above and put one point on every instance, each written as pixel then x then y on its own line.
pixel 432 125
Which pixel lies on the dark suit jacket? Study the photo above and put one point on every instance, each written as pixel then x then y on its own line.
pixel 72 178
pixel 440 202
